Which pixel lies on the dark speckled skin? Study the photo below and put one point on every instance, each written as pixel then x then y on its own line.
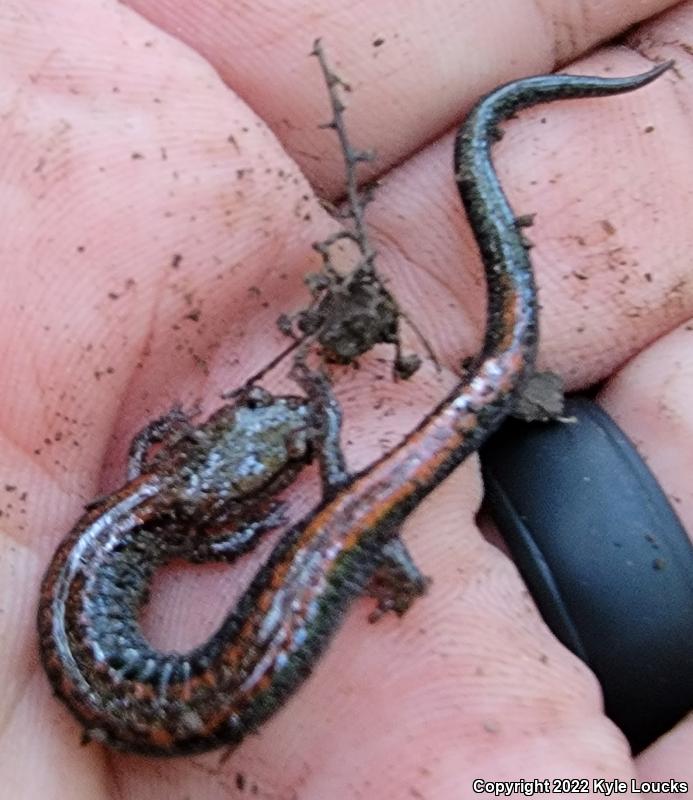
pixel 222 475
pixel 206 495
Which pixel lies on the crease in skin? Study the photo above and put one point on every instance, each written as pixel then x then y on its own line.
pixel 272 639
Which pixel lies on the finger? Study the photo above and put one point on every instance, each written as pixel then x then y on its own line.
pixel 414 73
pixel 605 181
pixel 669 756
pixel 649 398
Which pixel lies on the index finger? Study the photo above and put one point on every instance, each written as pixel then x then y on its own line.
pixel 416 70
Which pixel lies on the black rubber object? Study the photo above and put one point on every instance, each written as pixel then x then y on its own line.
pixel 605 557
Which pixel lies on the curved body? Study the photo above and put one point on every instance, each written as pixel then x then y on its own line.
pixel 134 698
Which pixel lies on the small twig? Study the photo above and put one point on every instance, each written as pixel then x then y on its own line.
pixel 352 157
pixel 351 311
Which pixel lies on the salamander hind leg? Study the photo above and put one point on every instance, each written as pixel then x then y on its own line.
pixel 397 582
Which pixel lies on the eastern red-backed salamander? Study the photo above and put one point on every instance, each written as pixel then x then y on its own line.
pixel 207 493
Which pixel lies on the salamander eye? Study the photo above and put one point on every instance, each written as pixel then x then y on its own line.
pixel 256 397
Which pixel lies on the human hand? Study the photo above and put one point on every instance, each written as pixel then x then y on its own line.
pixel 154 230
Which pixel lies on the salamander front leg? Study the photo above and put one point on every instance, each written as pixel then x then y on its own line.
pixel 327 424
pixel 397 582
pixel 170 426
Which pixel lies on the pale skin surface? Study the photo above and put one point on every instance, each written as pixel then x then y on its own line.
pixel 134 233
